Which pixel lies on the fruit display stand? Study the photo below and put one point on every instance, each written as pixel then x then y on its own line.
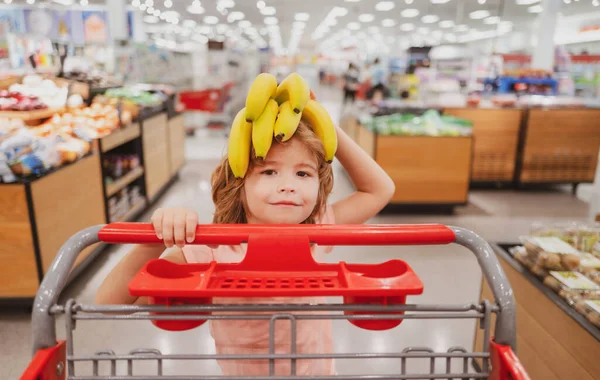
pixel 37 216
pixel 427 170
pixel 559 146
pixel 495 139
pixel 554 342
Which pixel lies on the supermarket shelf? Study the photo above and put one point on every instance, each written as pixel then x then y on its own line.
pixel 115 187
pixel 119 137
pixel 502 250
pixel 31 115
pixel 133 212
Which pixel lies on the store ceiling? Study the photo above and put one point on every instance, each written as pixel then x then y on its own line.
pixel 372 25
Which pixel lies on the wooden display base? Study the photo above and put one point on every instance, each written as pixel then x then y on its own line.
pixel 37 217
pixel 176 134
pixel 426 170
pixel 560 146
pixel 155 142
pixel 496 137
pixel 551 343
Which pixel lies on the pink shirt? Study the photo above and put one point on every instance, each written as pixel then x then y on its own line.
pixel 252 337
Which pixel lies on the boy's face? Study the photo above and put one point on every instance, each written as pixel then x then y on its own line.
pixel 284 189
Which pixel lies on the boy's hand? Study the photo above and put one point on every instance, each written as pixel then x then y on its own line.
pixel 175 225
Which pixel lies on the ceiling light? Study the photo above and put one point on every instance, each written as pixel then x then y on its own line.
pixel 595 3
pixel 299 25
pixel 135 3
pixel 439 1
pixel 211 20
pixel 384 6
pixel 407 27
pixel 149 3
pixel 168 4
pixel 271 21
pixel 430 19
pixel 82 2
pixel 478 15
pixel 388 23
pixel 226 3
pixel 244 24
pixel 535 9
pixel 481 1
pixel 156 12
pixel 151 19
pixel 150 10
pixel 526 2
pixel 409 13
pixel 260 4
pixel 7 1
pixel 491 20
pixel 567 1
pixel 366 17
pixel 352 1
pixel 189 23
pixel 195 8
pixel 235 16
pixel 353 26
pixel 446 24
pixel 339 11
pixel 268 11
pixel 408 1
pixel 301 17
pixel 461 28
pixel 143 7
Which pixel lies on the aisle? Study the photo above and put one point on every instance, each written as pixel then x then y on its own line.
pixel 450 274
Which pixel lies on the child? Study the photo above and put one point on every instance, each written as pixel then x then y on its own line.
pixel 290 186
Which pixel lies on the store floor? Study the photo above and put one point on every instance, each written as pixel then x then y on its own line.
pixel 450 274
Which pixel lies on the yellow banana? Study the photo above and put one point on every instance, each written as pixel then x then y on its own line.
pixel 262 129
pixel 287 122
pixel 318 118
pixel 238 148
pixel 263 88
pixel 295 89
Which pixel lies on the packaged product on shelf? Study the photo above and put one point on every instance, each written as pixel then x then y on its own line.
pixel 571 285
pixel 552 253
pixel 568 232
pixel 36 87
pixel 590 267
pixel 520 254
pixel 590 309
pixel 588 237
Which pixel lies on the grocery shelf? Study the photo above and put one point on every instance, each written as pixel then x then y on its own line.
pixel 119 137
pixel 113 188
pixel 31 115
pixel 133 212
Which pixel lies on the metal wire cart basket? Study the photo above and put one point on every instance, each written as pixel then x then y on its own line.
pixel 278 263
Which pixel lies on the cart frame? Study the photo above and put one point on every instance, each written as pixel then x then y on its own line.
pixel 54 360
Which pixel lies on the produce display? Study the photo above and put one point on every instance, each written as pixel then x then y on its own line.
pixel 138 97
pixel 88 123
pixel 275 111
pixel 35 88
pixel 566 257
pixel 16 101
pixel 33 151
pixel 431 123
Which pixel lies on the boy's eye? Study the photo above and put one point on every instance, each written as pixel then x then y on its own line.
pixel 268 172
pixel 303 174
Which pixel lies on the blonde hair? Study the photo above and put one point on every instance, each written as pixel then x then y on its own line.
pixel 228 192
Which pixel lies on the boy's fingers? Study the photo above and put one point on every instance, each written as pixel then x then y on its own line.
pixel 179 230
pixel 167 228
pixel 157 219
pixel 191 221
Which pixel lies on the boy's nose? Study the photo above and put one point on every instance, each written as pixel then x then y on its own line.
pixel 286 188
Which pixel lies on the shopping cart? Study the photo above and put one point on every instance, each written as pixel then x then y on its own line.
pixel 209 103
pixel 374 299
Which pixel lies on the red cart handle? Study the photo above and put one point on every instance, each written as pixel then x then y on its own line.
pixel 322 234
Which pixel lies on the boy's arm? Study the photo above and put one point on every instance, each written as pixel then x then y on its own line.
pixel 113 290
pixel 374 187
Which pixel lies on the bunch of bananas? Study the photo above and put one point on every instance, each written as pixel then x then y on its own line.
pixel 275 111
